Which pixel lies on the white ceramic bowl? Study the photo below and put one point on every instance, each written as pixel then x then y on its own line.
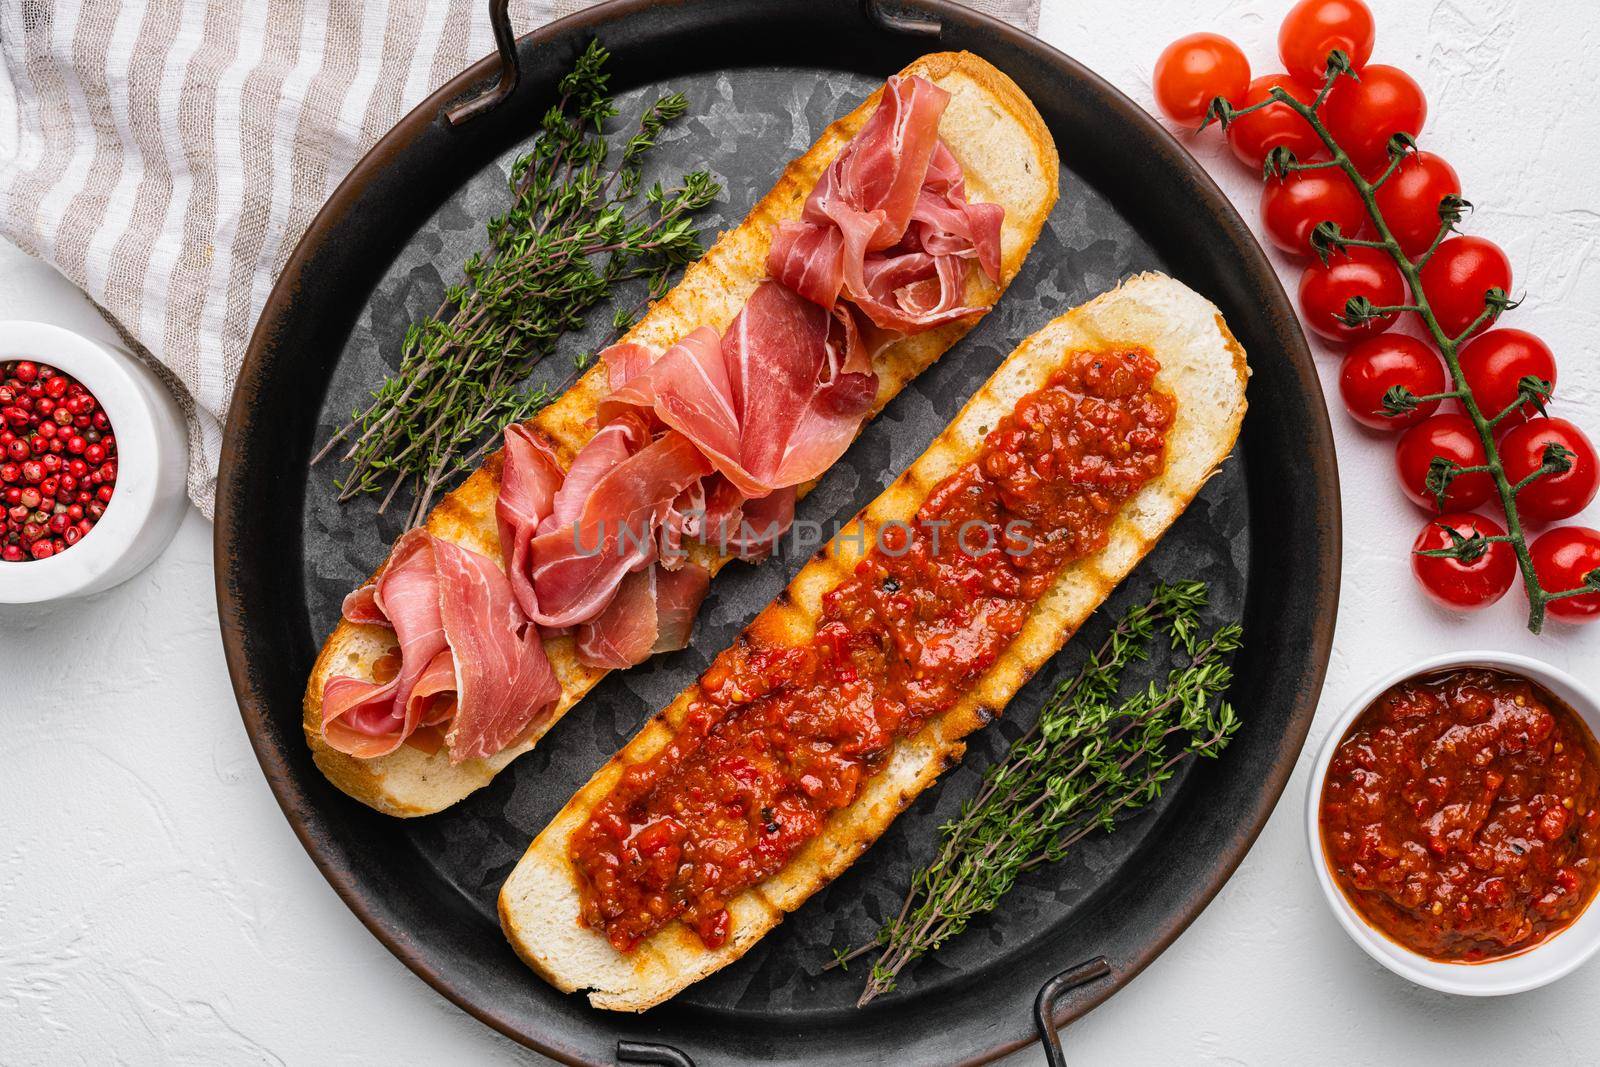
pixel 1544 963
pixel 149 500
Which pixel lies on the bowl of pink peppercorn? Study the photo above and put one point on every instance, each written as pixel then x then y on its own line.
pixel 92 455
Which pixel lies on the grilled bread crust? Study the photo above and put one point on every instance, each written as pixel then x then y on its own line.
pixel 1008 157
pixel 1202 366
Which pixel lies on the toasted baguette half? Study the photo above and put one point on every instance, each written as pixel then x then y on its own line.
pixel 1009 159
pixel 1201 365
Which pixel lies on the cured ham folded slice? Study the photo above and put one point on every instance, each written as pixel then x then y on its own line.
pixel 772 403
pixel 598 548
pixel 751 531
pixel 468 661
pixel 530 483
pixel 653 611
pixel 582 554
pixel 947 224
pixel 367 719
pixel 707 441
pixel 802 382
pixel 889 227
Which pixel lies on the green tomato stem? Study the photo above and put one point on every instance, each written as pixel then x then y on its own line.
pixel 1538 596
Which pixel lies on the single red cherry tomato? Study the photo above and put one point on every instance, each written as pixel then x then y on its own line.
pixel 1363 115
pixel 1495 363
pixel 1550 497
pixel 1563 559
pixel 1326 289
pixel 1313 28
pixel 1463 585
pixel 1382 363
pixel 1293 205
pixel 1453 437
pixel 1409 198
pixel 1258 133
pixel 1457 277
pixel 1195 70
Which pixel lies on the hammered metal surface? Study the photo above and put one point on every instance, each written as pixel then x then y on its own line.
pixel 745 125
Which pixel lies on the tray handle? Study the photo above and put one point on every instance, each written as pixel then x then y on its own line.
pixel 653 1053
pixel 510 70
pixel 880 13
pixel 896 19
pixel 1044 1006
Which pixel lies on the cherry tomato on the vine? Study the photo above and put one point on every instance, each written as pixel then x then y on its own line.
pixel 1563 558
pixel 1550 497
pixel 1326 289
pixel 1454 438
pixel 1253 136
pixel 1293 205
pixel 1363 115
pixel 1494 364
pixel 1409 198
pixel 1195 70
pixel 1463 585
pixel 1313 28
pixel 1381 363
pixel 1457 278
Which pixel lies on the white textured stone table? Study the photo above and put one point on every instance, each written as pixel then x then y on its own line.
pixel 154 906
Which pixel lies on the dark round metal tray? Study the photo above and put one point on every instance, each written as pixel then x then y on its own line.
pixel 764 77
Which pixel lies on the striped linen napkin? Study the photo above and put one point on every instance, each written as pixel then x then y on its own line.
pixel 166 155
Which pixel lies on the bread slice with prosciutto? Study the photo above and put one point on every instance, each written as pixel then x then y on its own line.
pixel 992 151
pixel 852 692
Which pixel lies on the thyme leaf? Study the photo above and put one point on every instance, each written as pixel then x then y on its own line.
pixel 575 230
pixel 1091 758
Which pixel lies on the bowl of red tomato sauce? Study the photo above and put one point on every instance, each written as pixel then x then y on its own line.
pixel 1454 822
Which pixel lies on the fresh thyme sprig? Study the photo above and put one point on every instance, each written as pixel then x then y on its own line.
pixel 1089 759
pixel 1533 392
pixel 574 231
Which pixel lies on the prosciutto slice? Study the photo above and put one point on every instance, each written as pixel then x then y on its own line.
pixel 888 227
pixel 772 403
pixel 530 482
pixel 600 548
pixel 711 435
pixel 742 419
pixel 653 611
pixel 578 564
pixel 368 719
pixel 467 658
pixel 802 384
pixel 435 695
pixel 504 685
pixel 759 525
pixel 947 224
